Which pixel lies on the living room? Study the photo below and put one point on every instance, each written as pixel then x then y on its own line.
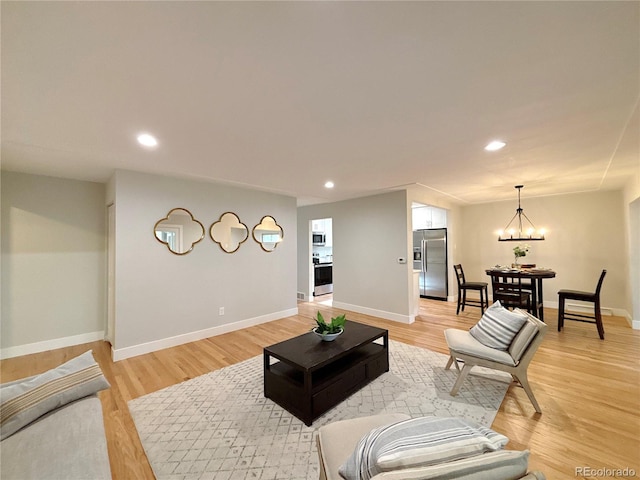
pixel 56 193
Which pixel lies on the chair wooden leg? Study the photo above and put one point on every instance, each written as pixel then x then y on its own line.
pixel 459 300
pixel 524 381
pixel 598 315
pixel 482 300
pixel 461 376
pixel 452 360
pixel 449 362
pixel 560 313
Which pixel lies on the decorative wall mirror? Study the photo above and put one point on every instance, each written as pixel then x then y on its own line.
pixel 268 233
pixel 179 231
pixel 229 232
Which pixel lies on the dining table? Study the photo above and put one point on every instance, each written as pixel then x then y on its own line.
pixel 536 275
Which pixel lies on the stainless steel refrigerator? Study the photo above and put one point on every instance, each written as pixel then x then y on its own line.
pixel 430 257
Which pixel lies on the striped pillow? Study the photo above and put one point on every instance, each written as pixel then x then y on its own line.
pixel 23 402
pixel 498 327
pixel 418 442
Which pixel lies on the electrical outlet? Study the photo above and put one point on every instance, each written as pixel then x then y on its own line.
pixel 221 311
pixel 402 260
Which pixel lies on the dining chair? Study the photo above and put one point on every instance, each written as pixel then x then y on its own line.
pixel 463 286
pixel 592 297
pixel 511 292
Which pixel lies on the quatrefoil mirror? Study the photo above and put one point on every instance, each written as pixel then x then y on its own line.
pixel 268 233
pixel 179 231
pixel 229 232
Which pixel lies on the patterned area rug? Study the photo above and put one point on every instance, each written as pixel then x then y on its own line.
pixel 220 426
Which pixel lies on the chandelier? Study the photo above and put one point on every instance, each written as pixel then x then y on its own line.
pixel 510 234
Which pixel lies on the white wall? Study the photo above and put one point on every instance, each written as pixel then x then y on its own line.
pixel 632 204
pixel 634 261
pixel 369 234
pixel 53 263
pixel 585 234
pixel 164 299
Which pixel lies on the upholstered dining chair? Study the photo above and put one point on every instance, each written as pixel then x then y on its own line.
pixel 463 286
pixel 592 297
pixel 465 347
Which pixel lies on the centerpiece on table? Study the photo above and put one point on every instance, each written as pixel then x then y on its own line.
pixel 329 331
pixel 520 251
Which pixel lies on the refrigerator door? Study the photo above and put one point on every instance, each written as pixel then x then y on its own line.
pixel 435 283
pixel 435 253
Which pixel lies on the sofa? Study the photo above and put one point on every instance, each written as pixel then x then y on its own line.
pixel 52 424
pixel 337 441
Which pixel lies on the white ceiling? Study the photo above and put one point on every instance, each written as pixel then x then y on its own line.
pixel 283 96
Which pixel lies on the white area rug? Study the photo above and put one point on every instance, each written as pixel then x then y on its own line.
pixel 220 426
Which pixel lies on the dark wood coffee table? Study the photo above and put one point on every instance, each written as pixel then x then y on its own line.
pixel 309 376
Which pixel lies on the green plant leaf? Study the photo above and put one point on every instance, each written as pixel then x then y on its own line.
pixel 322 325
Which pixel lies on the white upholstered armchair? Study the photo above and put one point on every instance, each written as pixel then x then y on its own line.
pixel 501 340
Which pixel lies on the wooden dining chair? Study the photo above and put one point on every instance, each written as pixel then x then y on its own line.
pixel 593 297
pixel 510 291
pixel 463 286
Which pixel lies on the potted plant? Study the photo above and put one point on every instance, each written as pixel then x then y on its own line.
pixel 329 331
pixel 520 251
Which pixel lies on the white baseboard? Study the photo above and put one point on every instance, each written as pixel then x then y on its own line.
pixel 396 317
pixel 37 347
pixel 141 349
pixel 635 324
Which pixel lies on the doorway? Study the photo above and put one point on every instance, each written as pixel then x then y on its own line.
pixel 321 275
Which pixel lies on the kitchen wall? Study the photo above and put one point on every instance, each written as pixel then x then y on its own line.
pixel 53 263
pixel 369 234
pixel 164 299
pixel 585 234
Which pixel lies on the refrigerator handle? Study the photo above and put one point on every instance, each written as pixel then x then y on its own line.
pixel 424 255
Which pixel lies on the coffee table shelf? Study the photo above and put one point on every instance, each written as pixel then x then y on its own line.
pixel 310 376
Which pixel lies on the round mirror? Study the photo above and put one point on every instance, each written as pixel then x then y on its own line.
pixel 268 233
pixel 179 231
pixel 229 232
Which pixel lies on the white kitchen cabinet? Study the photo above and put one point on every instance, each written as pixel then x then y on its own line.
pixel 428 217
pixel 438 217
pixel 328 232
pixel 318 226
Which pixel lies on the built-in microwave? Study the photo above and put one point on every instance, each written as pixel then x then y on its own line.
pixel 318 239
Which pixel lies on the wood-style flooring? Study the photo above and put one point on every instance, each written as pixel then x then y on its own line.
pixel 589 389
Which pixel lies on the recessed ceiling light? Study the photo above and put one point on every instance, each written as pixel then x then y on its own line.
pixel 495 145
pixel 328 184
pixel 147 140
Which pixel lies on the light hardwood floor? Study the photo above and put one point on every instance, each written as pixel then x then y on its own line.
pixel 589 389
